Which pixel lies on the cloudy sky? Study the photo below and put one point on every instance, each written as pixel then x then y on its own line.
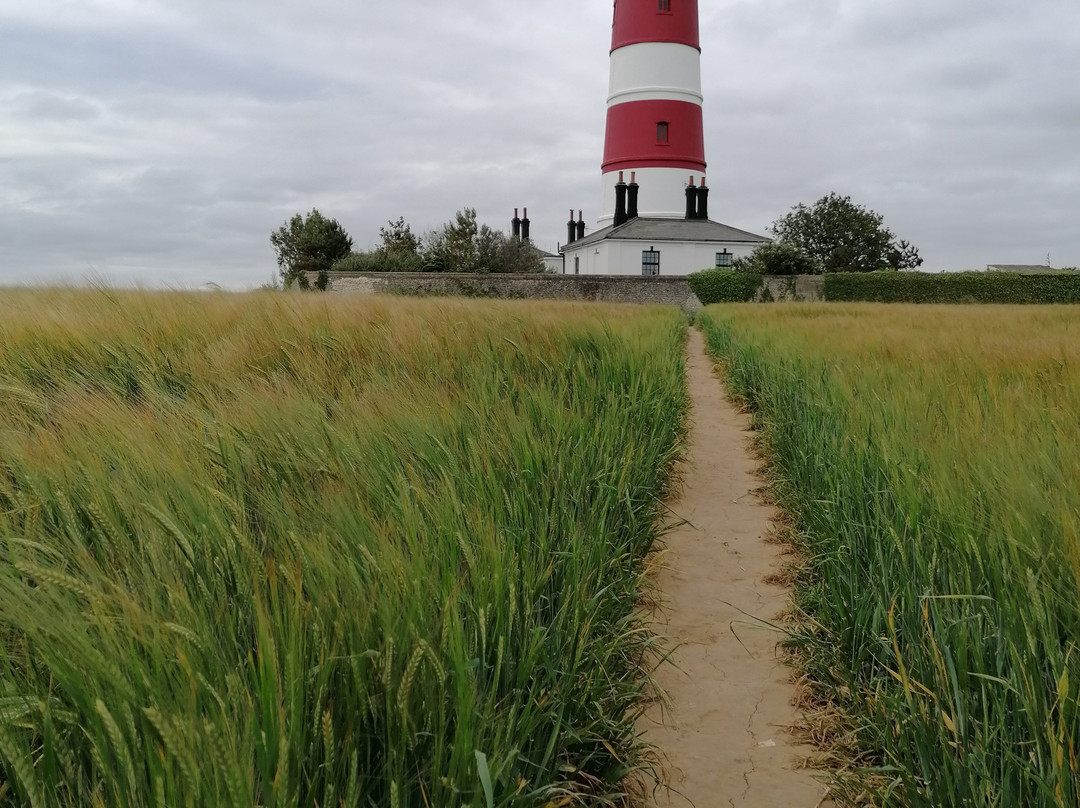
pixel 159 142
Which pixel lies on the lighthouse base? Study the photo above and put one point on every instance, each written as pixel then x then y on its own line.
pixel 662 193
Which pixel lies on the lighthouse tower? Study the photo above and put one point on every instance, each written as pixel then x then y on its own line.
pixel 654 123
pixel 654 204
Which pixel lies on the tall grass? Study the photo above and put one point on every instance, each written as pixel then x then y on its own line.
pixel 275 550
pixel 931 458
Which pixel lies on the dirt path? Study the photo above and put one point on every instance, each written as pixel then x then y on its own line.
pixel 724 733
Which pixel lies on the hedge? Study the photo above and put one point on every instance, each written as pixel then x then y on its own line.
pixel 724 286
pixel 953 287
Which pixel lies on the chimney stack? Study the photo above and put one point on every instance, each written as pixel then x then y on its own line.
pixel 571 229
pixel 620 201
pixel 525 226
pixel 632 197
pixel 515 225
pixel 691 199
pixel 703 200
pixel 580 224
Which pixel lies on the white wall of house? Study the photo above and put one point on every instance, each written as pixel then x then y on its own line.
pixel 553 264
pixel 615 257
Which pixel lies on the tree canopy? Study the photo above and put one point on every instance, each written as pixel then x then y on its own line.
pixel 841 236
pixel 309 243
pixel 461 245
pixel 777 258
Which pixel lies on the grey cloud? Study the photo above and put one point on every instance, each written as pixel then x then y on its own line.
pixel 164 144
pixel 47 106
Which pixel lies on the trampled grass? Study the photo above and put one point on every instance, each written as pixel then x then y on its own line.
pixel 931 456
pixel 277 550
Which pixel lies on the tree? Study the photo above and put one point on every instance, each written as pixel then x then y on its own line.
pixel 841 236
pixel 398 239
pixel 903 255
pixel 460 236
pixel 463 245
pixel 777 258
pixel 306 244
pixel 518 256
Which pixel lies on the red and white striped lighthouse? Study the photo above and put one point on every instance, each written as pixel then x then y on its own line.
pixel 654 121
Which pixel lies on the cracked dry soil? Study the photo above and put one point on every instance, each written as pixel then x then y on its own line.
pixel 723 733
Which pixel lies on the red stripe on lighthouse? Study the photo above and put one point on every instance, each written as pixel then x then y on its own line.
pixel 643 21
pixel 632 136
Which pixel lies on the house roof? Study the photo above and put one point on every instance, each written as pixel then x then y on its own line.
pixel 659 230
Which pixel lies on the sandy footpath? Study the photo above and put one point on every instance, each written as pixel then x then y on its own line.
pixel 723 738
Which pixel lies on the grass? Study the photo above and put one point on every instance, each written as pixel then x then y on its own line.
pixel 930 457
pixel 275 550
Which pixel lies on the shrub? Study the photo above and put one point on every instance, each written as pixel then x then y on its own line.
pixel 379 261
pixel 724 286
pixel 953 287
pixel 779 258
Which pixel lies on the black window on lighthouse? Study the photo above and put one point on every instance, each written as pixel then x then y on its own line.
pixel 662 132
pixel 650 262
pixel 665 5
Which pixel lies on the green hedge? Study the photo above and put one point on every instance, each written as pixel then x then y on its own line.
pixel 953 287
pixel 724 286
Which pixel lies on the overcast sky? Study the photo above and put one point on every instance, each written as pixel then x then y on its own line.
pixel 160 141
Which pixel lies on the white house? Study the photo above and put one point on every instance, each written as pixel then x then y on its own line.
pixel 658 247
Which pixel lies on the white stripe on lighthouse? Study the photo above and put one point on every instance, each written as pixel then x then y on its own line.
pixel 655 70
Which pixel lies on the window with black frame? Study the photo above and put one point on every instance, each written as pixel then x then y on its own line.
pixel 723 259
pixel 650 262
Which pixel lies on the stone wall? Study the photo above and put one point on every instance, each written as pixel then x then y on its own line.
pixel 663 290
pixel 669 291
pixel 802 288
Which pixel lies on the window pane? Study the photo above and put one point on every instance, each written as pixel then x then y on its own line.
pixel 650 262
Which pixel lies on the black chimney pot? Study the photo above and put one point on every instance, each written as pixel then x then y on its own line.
pixel 620 201
pixel 632 197
pixel 571 229
pixel 691 200
pixel 515 225
pixel 703 200
pixel 580 225
pixel 525 226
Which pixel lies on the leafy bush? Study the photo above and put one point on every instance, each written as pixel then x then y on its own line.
pixel 724 286
pixel 778 258
pixel 953 287
pixel 379 261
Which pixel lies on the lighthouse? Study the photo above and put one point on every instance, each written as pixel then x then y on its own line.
pixel 654 201
pixel 654 106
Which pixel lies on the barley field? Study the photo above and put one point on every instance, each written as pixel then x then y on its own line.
pixel 930 457
pixel 276 550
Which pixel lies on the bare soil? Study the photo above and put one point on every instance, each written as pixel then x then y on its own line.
pixel 723 730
